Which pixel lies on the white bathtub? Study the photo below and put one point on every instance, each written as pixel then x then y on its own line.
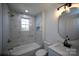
pixel 25 50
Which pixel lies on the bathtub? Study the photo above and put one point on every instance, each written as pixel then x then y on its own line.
pixel 25 50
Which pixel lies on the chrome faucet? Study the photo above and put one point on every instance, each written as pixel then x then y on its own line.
pixel 66 44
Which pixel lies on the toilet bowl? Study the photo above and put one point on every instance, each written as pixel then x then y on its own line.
pixel 43 52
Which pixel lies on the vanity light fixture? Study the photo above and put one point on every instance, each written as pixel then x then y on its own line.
pixel 65 5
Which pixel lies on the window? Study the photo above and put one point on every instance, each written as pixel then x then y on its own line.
pixel 25 24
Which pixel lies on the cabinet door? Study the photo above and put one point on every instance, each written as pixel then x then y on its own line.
pixel 53 53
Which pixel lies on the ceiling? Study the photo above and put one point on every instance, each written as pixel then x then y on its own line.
pixel 34 8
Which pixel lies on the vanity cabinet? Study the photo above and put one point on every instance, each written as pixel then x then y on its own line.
pixel 53 53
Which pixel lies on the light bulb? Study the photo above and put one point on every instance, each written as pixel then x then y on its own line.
pixel 67 9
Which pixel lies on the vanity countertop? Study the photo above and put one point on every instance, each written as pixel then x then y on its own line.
pixel 60 49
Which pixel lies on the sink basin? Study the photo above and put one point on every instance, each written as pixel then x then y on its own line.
pixel 59 48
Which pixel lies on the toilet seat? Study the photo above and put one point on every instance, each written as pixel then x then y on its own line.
pixel 41 52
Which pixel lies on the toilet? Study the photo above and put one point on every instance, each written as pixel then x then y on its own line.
pixel 43 52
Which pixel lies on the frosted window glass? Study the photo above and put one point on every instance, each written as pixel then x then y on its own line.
pixel 25 24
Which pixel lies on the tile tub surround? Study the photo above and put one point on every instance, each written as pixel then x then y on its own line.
pixel 17 36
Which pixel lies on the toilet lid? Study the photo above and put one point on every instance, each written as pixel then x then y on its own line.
pixel 41 52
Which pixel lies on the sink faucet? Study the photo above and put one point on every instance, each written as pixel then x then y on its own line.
pixel 66 44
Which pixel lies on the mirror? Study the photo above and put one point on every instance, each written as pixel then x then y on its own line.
pixel 68 24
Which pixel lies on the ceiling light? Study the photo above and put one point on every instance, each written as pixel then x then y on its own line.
pixel 66 4
pixel 26 11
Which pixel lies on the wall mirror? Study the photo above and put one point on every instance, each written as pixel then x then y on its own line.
pixel 68 24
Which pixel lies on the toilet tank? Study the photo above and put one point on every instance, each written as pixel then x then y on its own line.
pixel 46 44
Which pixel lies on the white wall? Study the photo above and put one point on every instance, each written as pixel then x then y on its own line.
pixel 0 29
pixel 52 35
pixel 5 27
pixel 49 26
